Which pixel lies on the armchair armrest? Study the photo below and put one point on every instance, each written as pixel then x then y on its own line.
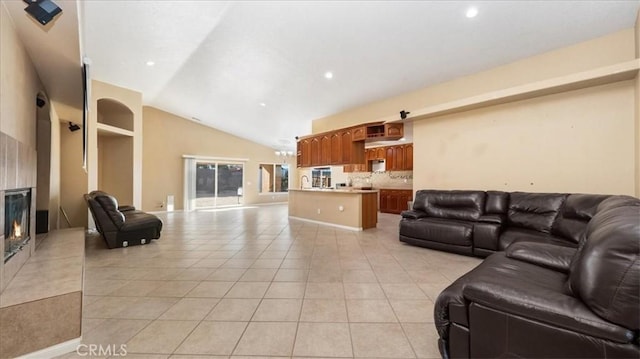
pixel 543 254
pixel 126 208
pixel 411 214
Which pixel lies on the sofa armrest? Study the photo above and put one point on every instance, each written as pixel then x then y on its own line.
pixel 411 214
pixel 548 306
pixel 126 208
pixel 543 254
pixel 492 218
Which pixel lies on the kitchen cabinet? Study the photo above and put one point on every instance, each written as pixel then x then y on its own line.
pixel 325 150
pixel 315 152
pixel 345 138
pixel 336 148
pixel 398 157
pixel 380 153
pixel 408 157
pixel 359 133
pixel 394 200
pixel 304 146
pixel 389 158
pixel 358 167
pixel 394 130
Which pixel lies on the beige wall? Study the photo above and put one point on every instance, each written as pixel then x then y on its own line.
pixel 133 101
pixel 115 168
pixel 19 85
pixel 73 178
pixel 73 184
pixel 54 175
pixel 168 137
pixel 578 141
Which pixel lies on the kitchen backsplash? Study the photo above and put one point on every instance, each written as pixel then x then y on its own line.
pixel 394 179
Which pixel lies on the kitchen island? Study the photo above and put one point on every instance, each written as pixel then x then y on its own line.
pixel 353 209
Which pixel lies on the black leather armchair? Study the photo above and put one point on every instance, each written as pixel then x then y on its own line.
pixel 121 226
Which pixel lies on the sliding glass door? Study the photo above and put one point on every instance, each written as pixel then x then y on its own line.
pixel 218 184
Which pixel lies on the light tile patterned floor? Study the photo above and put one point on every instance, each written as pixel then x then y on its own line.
pixel 249 282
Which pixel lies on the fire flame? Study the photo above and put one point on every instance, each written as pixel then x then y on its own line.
pixel 17 231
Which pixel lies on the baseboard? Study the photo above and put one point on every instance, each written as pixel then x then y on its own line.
pixel 54 351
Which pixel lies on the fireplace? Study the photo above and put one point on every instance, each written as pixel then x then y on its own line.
pixel 17 220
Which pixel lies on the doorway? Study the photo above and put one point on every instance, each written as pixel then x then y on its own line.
pixel 218 184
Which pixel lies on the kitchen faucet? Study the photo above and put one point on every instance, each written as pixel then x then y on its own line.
pixel 302 182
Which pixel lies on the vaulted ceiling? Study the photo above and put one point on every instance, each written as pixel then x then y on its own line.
pixel 257 69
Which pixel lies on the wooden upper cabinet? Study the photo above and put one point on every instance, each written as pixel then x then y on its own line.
pixel 398 157
pixel 380 153
pixel 346 146
pixel 305 152
pixel 389 158
pixel 393 130
pixel 408 157
pixel 336 148
pixel 325 150
pixel 315 151
pixel 359 133
pixel 370 154
pixel 298 154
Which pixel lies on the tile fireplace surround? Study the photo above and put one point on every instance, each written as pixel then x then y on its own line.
pixel 17 171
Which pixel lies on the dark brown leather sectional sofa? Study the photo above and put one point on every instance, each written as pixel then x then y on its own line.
pixel 562 279
pixel 121 226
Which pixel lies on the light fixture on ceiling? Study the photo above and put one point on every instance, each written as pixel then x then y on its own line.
pixel 42 10
pixel 263 104
pixel 284 154
pixel 472 12
pixel 328 75
pixel 150 63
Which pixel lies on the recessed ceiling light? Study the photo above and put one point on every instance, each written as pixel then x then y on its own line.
pixel 263 104
pixel 328 75
pixel 472 12
pixel 150 63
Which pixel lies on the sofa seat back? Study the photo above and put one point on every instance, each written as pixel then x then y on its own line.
pixel 574 215
pixel 535 211
pixel 460 205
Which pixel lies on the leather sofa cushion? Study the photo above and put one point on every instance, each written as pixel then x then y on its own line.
pixel 110 205
pixel 462 205
pixel 515 235
pixel 543 254
pixel 497 202
pixel 535 211
pixel 438 230
pixel 136 220
pixel 575 213
pixel 605 272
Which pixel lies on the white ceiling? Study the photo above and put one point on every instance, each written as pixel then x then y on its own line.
pixel 218 61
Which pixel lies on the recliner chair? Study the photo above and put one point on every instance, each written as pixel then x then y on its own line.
pixel 121 226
